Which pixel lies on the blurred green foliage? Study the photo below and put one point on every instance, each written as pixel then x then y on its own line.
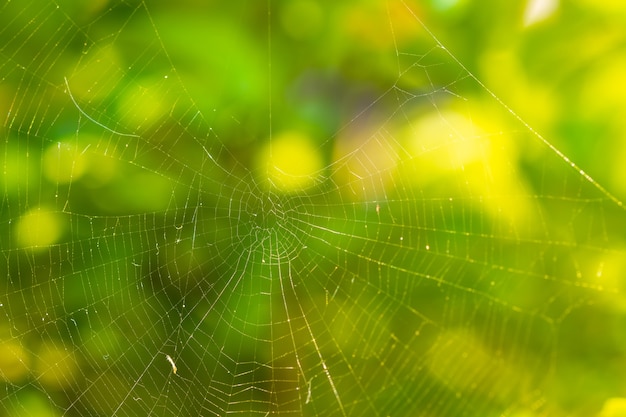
pixel 316 208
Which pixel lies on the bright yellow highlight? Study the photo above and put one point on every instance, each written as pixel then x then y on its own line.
pixel 63 163
pixel 607 7
pixel 614 407
pixel 293 163
pixel 447 145
pixel 38 228
pixel 529 97
pixel 603 92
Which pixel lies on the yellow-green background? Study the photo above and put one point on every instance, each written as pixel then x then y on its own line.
pixel 489 280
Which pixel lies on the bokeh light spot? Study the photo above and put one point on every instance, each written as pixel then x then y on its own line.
pixel 63 163
pixel 292 160
pixel 38 228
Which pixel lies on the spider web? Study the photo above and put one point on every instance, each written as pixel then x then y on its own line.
pixel 428 253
